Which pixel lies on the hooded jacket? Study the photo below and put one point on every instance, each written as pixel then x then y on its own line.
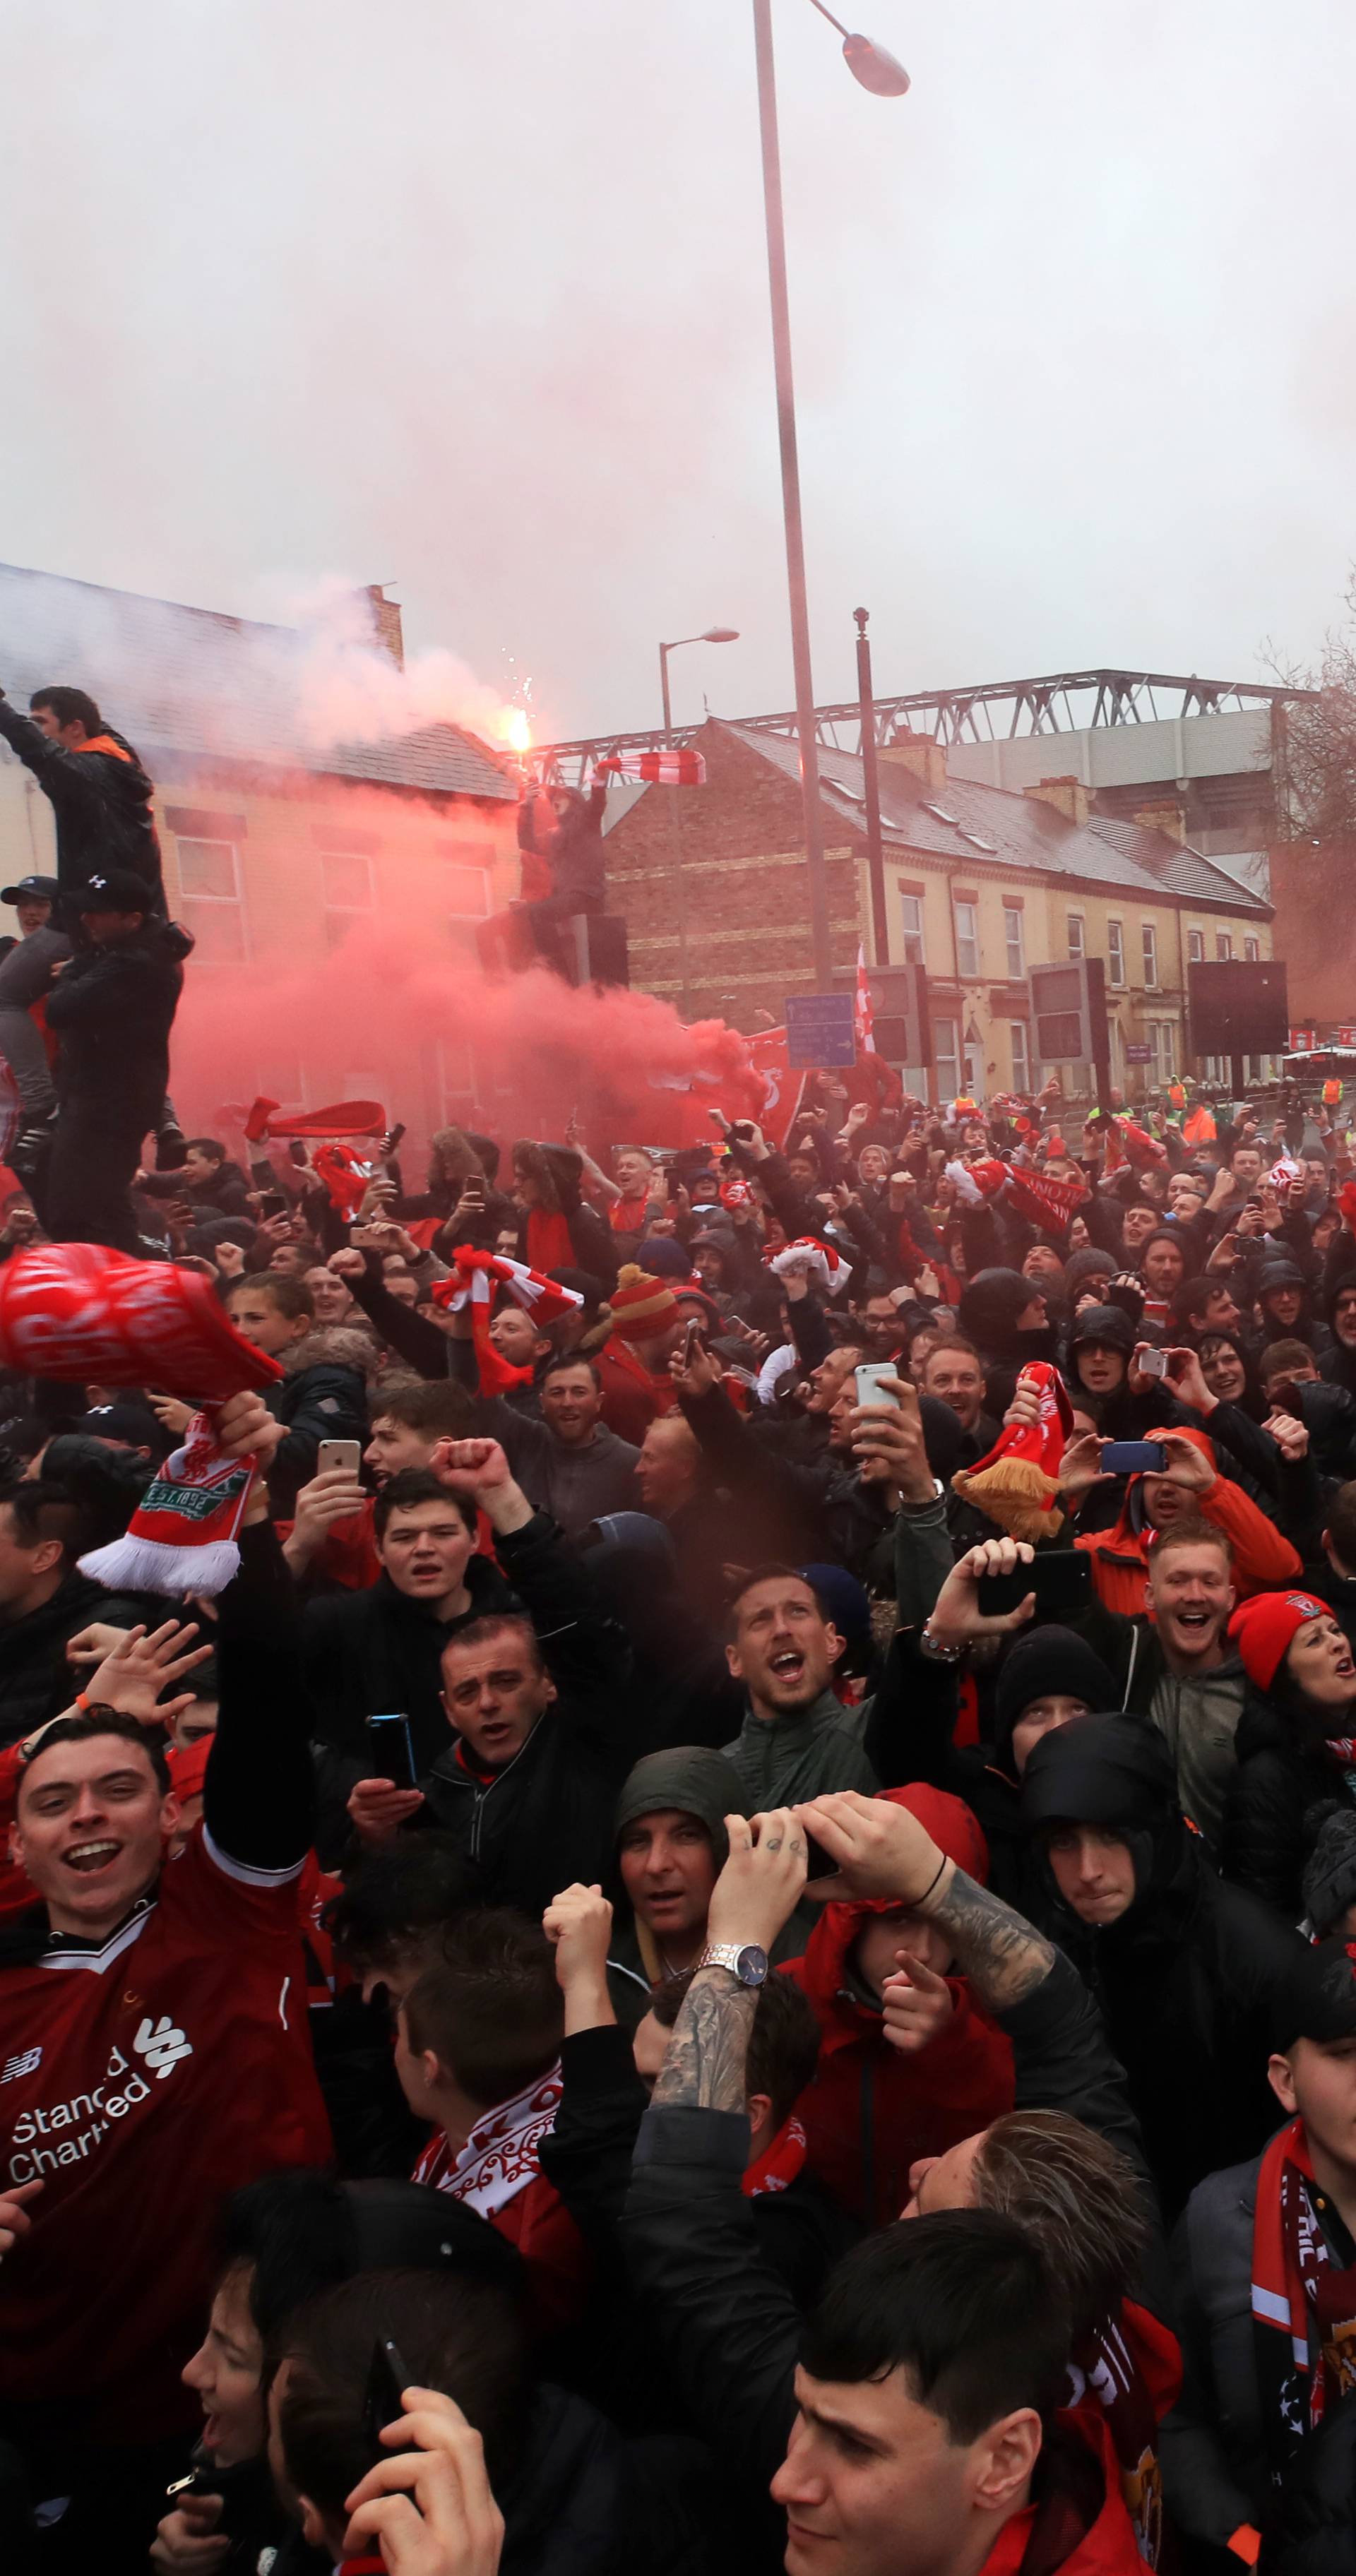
pixel 988 1314
pixel 101 799
pixel 1262 1557
pixel 696 1781
pixel 1189 1976
pixel 871 2111
pixel 1285 1768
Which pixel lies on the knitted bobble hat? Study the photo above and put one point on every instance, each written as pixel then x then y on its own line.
pixel 641 1304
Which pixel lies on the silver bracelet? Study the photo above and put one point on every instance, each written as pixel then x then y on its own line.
pixel 939 1654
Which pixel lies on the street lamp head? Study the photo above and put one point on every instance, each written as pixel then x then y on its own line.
pixel 874 68
pixel 721 635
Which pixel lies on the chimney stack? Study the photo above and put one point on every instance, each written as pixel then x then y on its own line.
pixel 1068 796
pixel 920 753
pixel 387 630
pixel 1168 817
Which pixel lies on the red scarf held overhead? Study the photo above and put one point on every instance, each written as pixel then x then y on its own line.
pixel 1038 1196
pixel 1303 2306
pixel 1018 1483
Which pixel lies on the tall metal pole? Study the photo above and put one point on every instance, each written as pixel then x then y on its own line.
pixel 795 543
pixel 875 853
pixel 664 688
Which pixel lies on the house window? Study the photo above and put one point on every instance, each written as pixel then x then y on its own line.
pixel 1224 943
pixel 1252 950
pixel 945 1035
pixel 1077 935
pixel 1162 1037
pixel 1115 952
pixel 1021 1062
pixel 1012 935
pixel 911 909
pixel 450 1080
pixel 1149 943
pixel 1195 947
pixel 209 900
pixel 967 941
pixel 468 892
pixel 350 894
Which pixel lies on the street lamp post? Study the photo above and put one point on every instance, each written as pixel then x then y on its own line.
pixel 879 72
pixel 710 635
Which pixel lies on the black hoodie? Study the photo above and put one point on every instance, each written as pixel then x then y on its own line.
pixel 1189 1976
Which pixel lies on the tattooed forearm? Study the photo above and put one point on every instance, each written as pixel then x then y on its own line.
pixel 705 2061
pixel 1000 1952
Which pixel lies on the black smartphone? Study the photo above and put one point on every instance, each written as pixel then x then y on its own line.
pixel 272 1203
pixel 473 1187
pixel 1060 1577
pixel 390 1143
pixel 387 2381
pixel 1134 1458
pixel 392 1749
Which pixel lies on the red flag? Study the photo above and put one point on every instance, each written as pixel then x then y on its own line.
pixel 342 1118
pixel 863 1017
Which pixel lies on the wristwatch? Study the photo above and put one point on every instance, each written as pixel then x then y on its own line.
pixel 745 1961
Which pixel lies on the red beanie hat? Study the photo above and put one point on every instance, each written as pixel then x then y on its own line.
pixel 954 1827
pixel 641 1304
pixel 1263 1627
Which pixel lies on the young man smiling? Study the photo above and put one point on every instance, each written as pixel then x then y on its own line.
pixel 154 2037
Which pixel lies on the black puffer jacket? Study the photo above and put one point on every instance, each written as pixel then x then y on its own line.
pixel 1283 1770
pixel 101 800
pixel 324 1402
pixel 1189 1976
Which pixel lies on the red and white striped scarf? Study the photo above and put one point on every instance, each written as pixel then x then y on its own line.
pixel 656 768
pixel 476 1279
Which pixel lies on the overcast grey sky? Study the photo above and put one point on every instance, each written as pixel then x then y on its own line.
pixel 472 299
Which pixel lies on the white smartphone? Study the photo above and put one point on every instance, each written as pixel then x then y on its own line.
pixel 869 1387
pixel 339 1453
pixel 1153 1364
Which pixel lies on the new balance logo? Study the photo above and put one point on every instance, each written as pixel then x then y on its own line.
pixel 161 2044
pixel 26 2063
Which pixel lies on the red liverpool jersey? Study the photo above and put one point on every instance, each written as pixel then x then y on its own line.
pixel 144 2082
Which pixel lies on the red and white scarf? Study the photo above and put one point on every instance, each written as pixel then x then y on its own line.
pixel 1303 2306
pixel 75 1311
pixel 475 1280
pixel 499 2158
pixel 780 2162
pixel 656 768
pixel 810 1252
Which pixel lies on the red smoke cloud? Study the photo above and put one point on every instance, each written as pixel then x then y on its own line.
pixel 514 1057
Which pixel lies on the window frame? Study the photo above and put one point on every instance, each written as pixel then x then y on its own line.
pixel 966 939
pixel 1115 954
pixel 912 933
pixel 1148 951
pixel 1014 941
pixel 1076 921
pixel 214 905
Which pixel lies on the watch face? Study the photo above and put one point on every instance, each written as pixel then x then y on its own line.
pixel 751 1967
